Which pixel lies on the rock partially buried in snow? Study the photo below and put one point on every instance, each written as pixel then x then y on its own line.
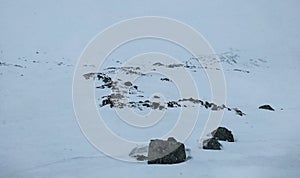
pixel 212 144
pixel 222 134
pixel 166 152
pixel 267 107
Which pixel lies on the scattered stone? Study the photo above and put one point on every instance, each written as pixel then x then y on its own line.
pixel 214 107
pixel 161 107
pixel 267 107
pixel 17 65
pixel 128 84
pixel 157 97
pixel 212 144
pixel 158 64
pixel 155 105
pixel 238 112
pixel 222 134
pixel 165 79
pixel 166 152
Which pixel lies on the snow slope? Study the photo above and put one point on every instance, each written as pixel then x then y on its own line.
pixel 42 41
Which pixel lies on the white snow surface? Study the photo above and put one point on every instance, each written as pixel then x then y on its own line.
pixel 39 133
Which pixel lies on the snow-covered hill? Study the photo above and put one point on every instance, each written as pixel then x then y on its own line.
pixel 41 43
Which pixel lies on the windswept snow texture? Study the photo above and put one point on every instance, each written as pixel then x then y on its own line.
pixel 258 45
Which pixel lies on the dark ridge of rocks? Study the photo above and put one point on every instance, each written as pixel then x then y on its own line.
pixel 266 107
pixel 166 152
pixel 126 70
pixel 114 101
pixel 212 144
pixel 223 134
pixel 121 89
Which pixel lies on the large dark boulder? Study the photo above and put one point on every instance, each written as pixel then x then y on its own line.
pixel 212 144
pixel 267 107
pixel 222 134
pixel 166 152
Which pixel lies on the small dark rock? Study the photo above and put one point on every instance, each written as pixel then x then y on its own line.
pixel 207 104
pixel 166 152
pixel 172 104
pixel 212 144
pixel 155 105
pixel 238 112
pixel 128 84
pixel 106 102
pixel 222 134
pixel 214 107
pixel 146 105
pixel 165 79
pixel 267 107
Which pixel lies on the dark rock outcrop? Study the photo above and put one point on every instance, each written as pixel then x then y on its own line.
pixel 166 152
pixel 212 144
pixel 267 107
pixel 222 134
